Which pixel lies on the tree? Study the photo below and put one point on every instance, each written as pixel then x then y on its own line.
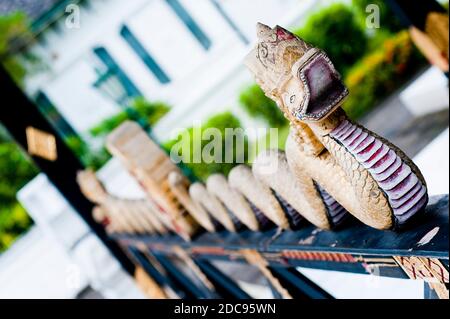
pixel 337 31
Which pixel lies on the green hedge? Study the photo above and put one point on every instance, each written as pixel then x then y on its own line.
pixel 374 63
pixel 12 26
pixel 202 170
pixel 15 168
pixel 338 31
pixel 15 171
pixel 256 104
pixel 14 221
pixel 140 109
pixel 109 124
pixel 380 73
pixel 266 142
pixel 87 156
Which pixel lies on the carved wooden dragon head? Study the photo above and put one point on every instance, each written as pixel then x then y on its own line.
pixel 299 77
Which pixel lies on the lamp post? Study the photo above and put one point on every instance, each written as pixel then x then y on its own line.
pixel 108 83
pixel 117 87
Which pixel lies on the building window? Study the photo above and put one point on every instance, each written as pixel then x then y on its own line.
pixel 145 56
pixel 230 21
pixel 190 23
pixel 113 73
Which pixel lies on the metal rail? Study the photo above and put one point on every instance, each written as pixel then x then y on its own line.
pixel 354 248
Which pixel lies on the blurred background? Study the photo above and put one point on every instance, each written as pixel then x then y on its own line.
pixel 89 65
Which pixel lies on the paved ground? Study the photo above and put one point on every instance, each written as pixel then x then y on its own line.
pixel 395 122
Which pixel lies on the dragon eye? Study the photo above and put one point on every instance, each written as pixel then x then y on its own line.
pixel 292 99
pixel 263 51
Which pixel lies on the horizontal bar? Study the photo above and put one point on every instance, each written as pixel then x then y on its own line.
pixel 224 285
pixel 355 248
pixel 161 278
pixel 195 291
pixel 298 285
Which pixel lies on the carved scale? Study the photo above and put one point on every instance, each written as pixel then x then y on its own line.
pixel 405 192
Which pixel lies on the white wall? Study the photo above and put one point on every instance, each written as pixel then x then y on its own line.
pixel 36 267
pixel 83 258
pixel 343 285
pixel 433 162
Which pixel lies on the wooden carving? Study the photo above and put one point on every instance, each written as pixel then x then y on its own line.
pixel 151 167
pixel 432 38
pixel 436 26
pixel 119 215
pixel 371 178
pixel 299 197
pixel 180 187
pixel 218 186
pixel 259 196
pixel 213 205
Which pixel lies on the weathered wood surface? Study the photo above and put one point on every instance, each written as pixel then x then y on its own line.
pixel 354 247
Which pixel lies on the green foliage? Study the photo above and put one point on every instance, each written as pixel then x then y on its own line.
pixel 15 171
pixel 373 64
pixel 106 126
pixel 89 158
pixel 151 112
pixel 388 19
pixel 140 110
pixel 190 143
pixel 258 105
pixel 337 30
pixel 380 73
pixel 14 221
pixel 11 27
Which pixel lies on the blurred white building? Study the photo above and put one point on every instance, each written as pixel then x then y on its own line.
pixel 100 53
